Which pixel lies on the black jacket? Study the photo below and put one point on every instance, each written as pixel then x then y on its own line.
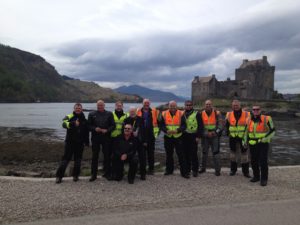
pixel 146 130
pixel 122 146
pixel 104 120
pixel 78 134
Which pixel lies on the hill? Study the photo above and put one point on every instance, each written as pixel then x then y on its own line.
pixel 26 77
pixel 153 95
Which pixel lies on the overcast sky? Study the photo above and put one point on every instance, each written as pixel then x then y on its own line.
pixel 156 43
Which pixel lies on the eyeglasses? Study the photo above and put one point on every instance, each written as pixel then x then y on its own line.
pixel 188 105
pixel 255 109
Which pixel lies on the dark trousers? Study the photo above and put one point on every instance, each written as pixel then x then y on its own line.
pixel 170 144
pixel 236 146
pixel 118 167
pixel 104 144
pixel 259 160
pixel 212 143
pixel 71 148
pixel 149 150
pixel 190 148
pixel 142 159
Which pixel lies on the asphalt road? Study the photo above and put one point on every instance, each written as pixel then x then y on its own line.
pixel 271 212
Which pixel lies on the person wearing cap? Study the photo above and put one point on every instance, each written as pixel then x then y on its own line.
pixel 76 137
pixel 259 132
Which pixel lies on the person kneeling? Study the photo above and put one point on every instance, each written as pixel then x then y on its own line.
pixel 124 151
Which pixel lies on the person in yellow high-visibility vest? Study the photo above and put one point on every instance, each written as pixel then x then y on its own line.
pixel 77 136
pixel 191 137
pixel 172 127
pixel 259 132
pixel 236 122
pixel 119 117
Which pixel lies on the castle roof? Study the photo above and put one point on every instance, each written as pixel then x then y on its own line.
pixel 253 63
pixel 203 79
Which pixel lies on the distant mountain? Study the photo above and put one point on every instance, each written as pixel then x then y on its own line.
pixel 26 77
pixel 153 95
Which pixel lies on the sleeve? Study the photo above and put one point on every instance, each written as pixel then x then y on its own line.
pixel 182 127
pixel 91 122
pixel 219 127
pixel 111 122
pixel 271 132
pixel 163 124
pixel 226 127
pixel 67 124
pixel 200 125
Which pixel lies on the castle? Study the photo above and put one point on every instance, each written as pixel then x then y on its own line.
pixel 254 79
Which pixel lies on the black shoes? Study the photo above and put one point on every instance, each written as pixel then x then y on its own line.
pixel 202 171
pixel 254 179
pixel 93 178
pixel 75 179
pixel 130 181
pixel 263 183
pixel 195 173
pixel 217 173
pixel 150 172
pixel 186 176
pixel 58 180
pixel 247 175
pixel 168 173
pixel 232 173
pixel 143 177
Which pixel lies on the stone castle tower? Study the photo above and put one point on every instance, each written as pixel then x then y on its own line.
pixel 253 80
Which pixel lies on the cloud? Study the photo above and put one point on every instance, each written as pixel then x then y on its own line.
pixel 158 44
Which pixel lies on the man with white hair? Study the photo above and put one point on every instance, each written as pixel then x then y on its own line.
pixel 149 131
pixel 101 124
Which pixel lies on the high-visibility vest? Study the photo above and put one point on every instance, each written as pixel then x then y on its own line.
pixel 191 123
pixel 119 123
pixel 209 122
pixel 257 131
pixel 154 113
pixel 172 122
pixel 66 121
pixel 237 128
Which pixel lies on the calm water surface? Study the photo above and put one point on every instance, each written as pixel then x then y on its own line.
pixel 285 145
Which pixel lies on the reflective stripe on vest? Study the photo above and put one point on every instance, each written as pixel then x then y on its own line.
pixel 154 113
pixel 172 122
pixel 237 128
pixel 258 130
pixel 191 123
pixel 209 122
pixel 119 122
pixel 66 121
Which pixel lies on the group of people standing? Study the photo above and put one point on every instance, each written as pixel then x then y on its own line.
pixel 130 138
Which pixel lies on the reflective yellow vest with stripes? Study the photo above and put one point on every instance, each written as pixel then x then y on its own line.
pixel 191 123
pixel 237 128
pixel 119 123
